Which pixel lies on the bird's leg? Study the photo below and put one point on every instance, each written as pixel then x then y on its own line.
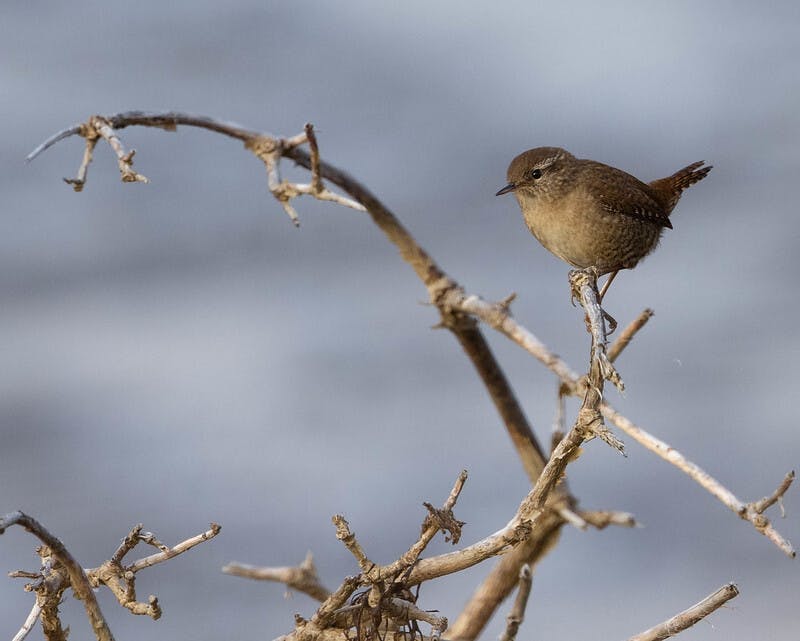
pixel 606 285
pixel 612 323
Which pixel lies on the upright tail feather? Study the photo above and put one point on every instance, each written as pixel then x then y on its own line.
pixel 669 189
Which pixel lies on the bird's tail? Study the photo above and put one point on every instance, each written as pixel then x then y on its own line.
pixel 671 188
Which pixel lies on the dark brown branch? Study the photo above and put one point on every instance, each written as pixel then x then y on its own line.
pixel 316 178
pixel 474 344
pixel 433 277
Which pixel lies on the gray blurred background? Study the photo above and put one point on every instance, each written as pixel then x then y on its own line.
pixel 176 353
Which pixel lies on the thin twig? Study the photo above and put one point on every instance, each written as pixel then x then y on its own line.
pixel 601 519
pixel 690 616
pixel 313 146
pixel 344 534
pixel 438 520
pixel 747 511
pixel 174 551
pixel 124 158
pixel 52 140
pixel 336 600
pixel 80 180
pixel 517 614
pixel 624 339
pixel 776 497
pixel 33 617
pixel 302 578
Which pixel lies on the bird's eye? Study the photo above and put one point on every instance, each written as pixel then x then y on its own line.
pixel 536 173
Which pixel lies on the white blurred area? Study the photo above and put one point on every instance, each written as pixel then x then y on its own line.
pixel 176 353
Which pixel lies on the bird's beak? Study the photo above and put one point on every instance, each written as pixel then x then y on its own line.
pixel 509 187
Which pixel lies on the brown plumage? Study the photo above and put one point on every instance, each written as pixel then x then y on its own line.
pixel 590 214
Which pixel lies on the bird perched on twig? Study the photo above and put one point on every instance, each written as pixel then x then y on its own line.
pixel 593 215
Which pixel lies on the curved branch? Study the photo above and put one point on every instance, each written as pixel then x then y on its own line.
pixel 78 581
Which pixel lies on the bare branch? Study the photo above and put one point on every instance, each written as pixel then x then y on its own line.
pixel 33 617
pixel 180 548
pixel 747 511
pixel 79 582
pixel 517 614
pixel 302 578
pixel 504 578
pixel 406 611
pixel 443 291
pixel 587 425
pixel 584 287
pixel 80 180
pixel 624 339
pixel 690 616
pixel 52 140
pixel 499 318
pixel 776 497
pixel 601 519
pixel 344 534
pixel 316 178
pixel 453 304
pixel 327 611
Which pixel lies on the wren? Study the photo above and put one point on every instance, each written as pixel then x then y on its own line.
pixel 593 215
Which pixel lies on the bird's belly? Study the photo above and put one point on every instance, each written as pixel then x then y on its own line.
pixel 586 237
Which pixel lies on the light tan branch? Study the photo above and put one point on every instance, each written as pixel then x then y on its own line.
pixel 78 580
pixel 587 425
pixel 33 617
pixel 405 611
pixel 690 616
pixel 517 614
pixel 498 317
pixel 174 551
pixel 751 512
pixel 624 339
pixel 302 578
pixel 601 519
pixel 436 520
pixel 267 148
pixel 454 304
pixel 55 577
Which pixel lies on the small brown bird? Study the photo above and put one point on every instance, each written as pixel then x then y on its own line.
pixel 592 215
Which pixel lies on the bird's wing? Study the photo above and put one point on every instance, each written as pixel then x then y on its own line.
pixel 621 193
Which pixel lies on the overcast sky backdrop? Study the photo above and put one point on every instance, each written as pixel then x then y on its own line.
pixel 177 353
